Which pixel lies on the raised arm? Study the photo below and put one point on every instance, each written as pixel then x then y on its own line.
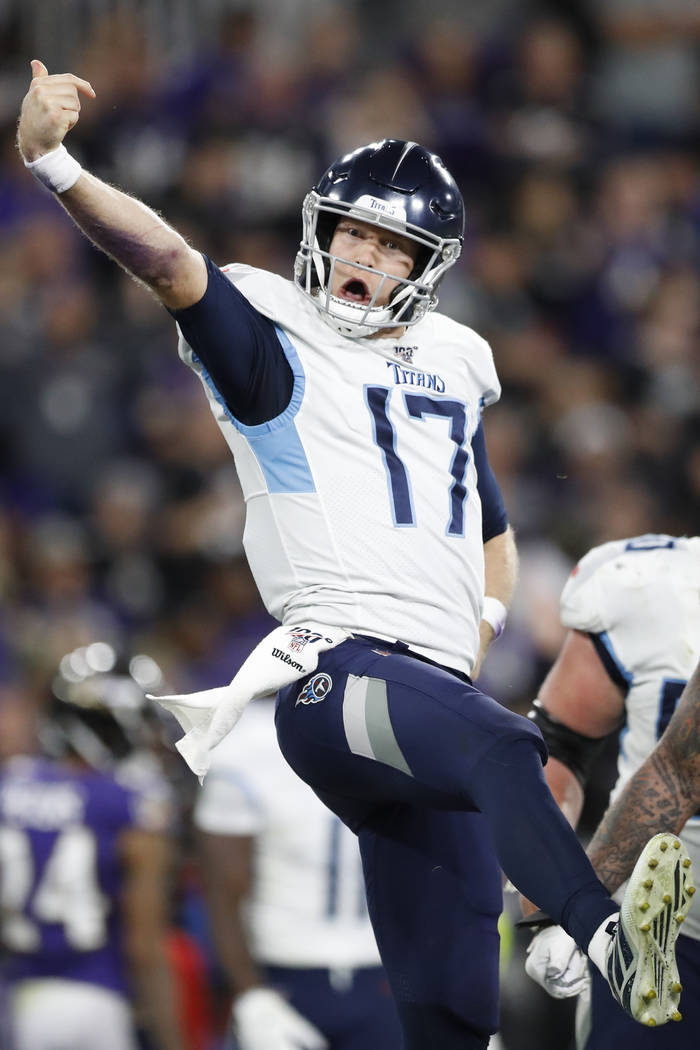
pixel 662 795
pixel 124 228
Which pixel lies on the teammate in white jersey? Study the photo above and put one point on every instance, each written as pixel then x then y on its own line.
pixel 286 897
pixel 633 612
pixel 664 792
pixel 354 415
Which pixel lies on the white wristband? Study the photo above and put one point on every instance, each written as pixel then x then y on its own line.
pixel 495 614
pixel 57 170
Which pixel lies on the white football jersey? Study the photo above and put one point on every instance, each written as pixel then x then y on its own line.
pixel 307 905
pixel 641 597
pixel 362 502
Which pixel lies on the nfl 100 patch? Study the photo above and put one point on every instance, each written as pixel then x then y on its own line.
pixel 300 636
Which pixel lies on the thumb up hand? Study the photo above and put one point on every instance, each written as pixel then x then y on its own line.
pixel 38 68
pixel 50 109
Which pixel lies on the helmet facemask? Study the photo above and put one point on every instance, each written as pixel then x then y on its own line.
pixel 412 298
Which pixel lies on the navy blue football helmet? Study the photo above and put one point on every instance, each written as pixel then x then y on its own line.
pixel 399 186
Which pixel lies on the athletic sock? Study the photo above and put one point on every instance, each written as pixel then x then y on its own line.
pixel 597 949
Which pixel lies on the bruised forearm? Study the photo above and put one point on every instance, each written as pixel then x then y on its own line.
pixel 138 239
pixel 132 234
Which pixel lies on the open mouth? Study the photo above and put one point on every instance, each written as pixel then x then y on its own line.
pixel 355 291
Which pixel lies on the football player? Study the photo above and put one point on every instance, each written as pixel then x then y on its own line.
pixel 633 612
pixel 84 868
pixel 665 791
pixel 287 903
pixel 353 411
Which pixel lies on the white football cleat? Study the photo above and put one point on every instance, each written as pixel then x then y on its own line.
pixel 641 960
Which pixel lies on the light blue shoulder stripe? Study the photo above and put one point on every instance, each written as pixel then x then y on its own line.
pixel 276 444
pixel 627 675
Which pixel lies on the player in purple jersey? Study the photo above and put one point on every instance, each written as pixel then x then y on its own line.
pixel 84 862
pixel 374 518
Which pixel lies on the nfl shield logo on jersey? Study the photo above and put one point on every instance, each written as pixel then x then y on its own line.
pixel 315 690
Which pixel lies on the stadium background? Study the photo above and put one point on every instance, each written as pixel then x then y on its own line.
pixel 573 130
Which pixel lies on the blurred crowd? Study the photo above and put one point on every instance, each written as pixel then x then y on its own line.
pixel 573 131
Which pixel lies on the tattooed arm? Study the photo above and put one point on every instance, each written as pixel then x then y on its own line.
pixel 662 795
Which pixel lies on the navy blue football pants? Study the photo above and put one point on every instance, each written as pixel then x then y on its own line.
pixel 354 1010
pixel 444 787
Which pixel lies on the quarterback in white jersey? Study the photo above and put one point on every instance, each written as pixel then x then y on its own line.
pixel 354 414
pixel 284 876
pixel 632 607
pixel 376 440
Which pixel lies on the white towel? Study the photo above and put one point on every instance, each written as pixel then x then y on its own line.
pixel 282 657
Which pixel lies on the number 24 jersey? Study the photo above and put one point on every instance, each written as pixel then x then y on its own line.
pixel 60 867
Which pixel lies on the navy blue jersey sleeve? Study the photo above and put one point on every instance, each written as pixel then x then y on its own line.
pixel 240 350
pixel 494 518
